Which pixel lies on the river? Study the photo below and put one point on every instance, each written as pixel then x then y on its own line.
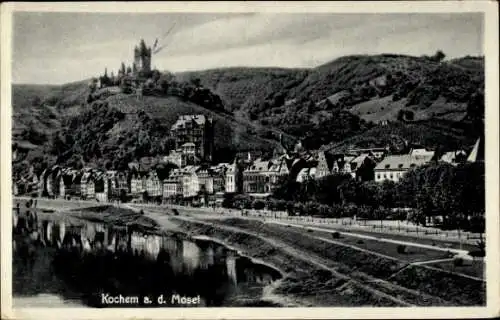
pixel 61 264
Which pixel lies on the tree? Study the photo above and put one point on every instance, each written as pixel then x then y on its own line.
pixel 155 75
pixel 196 82
pixel 145 196
pixel 258 204
pixel 348 191
pixel 122 68
pixel 36 102
pixel 439 56
pixel 386 197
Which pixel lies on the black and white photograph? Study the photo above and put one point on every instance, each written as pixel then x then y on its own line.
pixel 249 159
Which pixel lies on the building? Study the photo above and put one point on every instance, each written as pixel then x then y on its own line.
pixel 362 167
pixel 477 153
pixel 219 177
pixel 421 152
pixel 307 174
pixel 394 167
pixel 254 177
pixel 137 184
pixel 76 184
pixel 172 188
pixel 87 185
pixel 276 172
pixel 195 129
pixel 101 185
pixel 142 60
pixel 66 185
pixel 177 157
pixel 322 169
pixel 206 180
pixel 190 154
pixel 46 181
pixel 190 182
pixel 454 157
pixel 342 164
pixel 262 177
pixel 117 183
pixel 232 179
pixel 377 153
pixel 154 187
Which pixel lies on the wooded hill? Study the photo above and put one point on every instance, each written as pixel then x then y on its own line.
pixel 351 101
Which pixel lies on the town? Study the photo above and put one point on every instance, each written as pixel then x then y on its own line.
pixel 187 175
pixel 189 182
pixel 353 182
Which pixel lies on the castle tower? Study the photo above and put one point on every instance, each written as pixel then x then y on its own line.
pixel 142 58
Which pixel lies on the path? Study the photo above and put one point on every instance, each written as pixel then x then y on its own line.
pixel 458 253
pixel 301 255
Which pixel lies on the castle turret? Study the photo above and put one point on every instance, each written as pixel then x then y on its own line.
pixel 142 58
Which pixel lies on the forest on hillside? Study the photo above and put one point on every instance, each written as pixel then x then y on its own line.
pixel 253 107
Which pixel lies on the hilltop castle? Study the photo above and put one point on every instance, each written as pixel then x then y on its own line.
pixel 142 59
pixel 132 76
pixel 141 67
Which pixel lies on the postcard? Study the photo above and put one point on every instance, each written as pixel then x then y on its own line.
pixel 250 160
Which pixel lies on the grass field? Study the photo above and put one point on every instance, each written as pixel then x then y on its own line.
pixel 456 289
pixel 472 268
pixel 410 237
pixel 413 254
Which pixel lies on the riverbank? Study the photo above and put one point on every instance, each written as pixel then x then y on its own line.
pixel 187 255
pixel 335 274
pixel 322 272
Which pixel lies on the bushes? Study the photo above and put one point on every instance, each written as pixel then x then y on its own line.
pixel 458 262
pixel 401 249
pixel 336 235
pixel 258 204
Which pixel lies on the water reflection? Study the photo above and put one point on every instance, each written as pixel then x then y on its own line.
pixel 78 262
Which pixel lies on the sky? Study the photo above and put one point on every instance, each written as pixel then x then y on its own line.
pixel 62 47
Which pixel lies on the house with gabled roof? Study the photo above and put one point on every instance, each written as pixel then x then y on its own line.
pixel 87 184
pixel 196 129
pixel 454 157
pixel 362 167
pixel 477 153
pixel 323 168
pixel 342 163
pixel 306 174
pixel 262 177
pixel 65 179
pixel 190 181
pixel 232 178
pixel 394 167
pixel 101 189
pixel 154 186
pixel 137 183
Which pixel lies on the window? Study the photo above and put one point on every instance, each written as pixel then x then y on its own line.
pixel 413 165
pixel 387 166
pixel 378 175
pixel 400 165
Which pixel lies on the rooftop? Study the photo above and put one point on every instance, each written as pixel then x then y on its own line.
pixel 403 162
pixel 258 166
pixel 199 119
pixel 360 159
